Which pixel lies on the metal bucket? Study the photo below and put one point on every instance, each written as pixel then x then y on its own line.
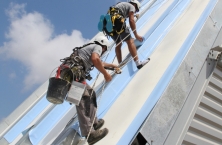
pixel 57 90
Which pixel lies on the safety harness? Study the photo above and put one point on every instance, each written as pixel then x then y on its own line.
pixel 72 67
pixel 118 22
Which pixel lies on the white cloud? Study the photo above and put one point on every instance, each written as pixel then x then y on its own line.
pixel 33 43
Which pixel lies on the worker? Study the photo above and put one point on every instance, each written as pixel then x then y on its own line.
pixel 88 56
pixel 119 32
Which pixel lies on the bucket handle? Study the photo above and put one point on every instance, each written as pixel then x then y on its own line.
pixel 59 69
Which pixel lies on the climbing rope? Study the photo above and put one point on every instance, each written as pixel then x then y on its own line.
pixel 103 86
pixel 104 83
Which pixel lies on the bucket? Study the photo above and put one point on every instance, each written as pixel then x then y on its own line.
pixel 57 90
pixel 138 43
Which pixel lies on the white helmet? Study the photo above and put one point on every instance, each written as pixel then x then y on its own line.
pixel 102 40
pixel 137 3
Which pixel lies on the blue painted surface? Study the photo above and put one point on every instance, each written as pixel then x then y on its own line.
pixel 118 83
pixel 36 134
pixel 161 18
pixel 165 79
pixel 26 120
pixel 35 111
pixel 153 37
pixel 37 131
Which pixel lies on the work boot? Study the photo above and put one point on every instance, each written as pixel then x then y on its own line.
pixel 142 63
pixel 99 124
pixel 97 135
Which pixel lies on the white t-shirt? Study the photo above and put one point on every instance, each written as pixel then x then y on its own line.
pixel 86 52
pixel 125 7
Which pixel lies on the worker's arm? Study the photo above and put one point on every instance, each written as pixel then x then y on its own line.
pixel 113 67
pixel 99 65
pixel 109 65
pixel 133 26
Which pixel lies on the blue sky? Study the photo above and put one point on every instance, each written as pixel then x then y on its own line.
pixel 34 35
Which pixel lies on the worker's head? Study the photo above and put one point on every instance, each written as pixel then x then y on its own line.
pixel 136 4
pixel 103 41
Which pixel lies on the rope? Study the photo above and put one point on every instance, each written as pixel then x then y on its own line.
pixel 103 87
pixel 98 103
pixel 104 82
pixel 133 31
pixel 95 113
pixel 121 43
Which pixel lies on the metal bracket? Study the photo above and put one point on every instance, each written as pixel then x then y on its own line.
pixel 215 53
pixel 217 48
pixel 215 22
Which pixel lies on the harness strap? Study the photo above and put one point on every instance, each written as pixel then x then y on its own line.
pixel 113 10
pixel 75 64
pixel 116 16
pixel 59 70
pixel 76 48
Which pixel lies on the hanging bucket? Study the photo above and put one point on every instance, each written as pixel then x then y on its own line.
pixel 57 90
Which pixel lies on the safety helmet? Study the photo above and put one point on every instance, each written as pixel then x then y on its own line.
pixel 137 4
pixel 102 40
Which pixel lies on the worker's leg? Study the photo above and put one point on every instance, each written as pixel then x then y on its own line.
pixel 83 115
pixel 118 52
pixel 126 36
pixel 132 49
pixel 93 106
pixel 86 111
pixel 117 39
pixel 86 114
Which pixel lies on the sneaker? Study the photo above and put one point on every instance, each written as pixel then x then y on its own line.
pixel 99 124
pixel 142 63
pixel 97 135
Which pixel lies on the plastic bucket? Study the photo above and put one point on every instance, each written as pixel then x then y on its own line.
pixel 57 90
pixel 138 43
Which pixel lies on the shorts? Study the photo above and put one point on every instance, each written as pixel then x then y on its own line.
pixel 124 35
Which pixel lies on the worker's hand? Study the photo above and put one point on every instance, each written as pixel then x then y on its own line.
pixel 139 38
pixel 107 77
pixel 118 70
pixel 137 16
pixel 114 66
